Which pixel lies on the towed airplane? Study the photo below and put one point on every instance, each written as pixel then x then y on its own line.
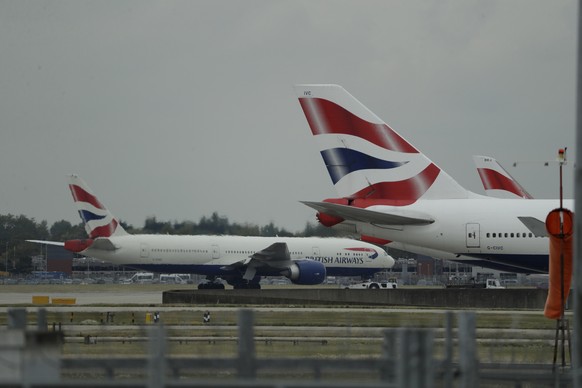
pixel 241 261
pixel 393 194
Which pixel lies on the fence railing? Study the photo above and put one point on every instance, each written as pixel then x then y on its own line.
pixel 407 360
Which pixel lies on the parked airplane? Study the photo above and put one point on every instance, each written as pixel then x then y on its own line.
pixel 497 182
pixel 392 193
pixel 241 261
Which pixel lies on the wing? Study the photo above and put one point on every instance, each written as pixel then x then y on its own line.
pixel 274 253
pixel 537 227
pixel 101 243
pixel 275 256
pixel 363 215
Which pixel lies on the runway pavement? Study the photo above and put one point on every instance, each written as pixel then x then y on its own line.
pixel 92 297
pixel 116 298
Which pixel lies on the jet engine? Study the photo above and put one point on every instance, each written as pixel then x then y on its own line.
pixel 327 219
pixel 306 272
pixel 78 245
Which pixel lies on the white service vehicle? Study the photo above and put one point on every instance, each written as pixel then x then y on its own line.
pixel 175 278
pixel 373 285
pixel 140 278
pixel 490 283
pixel 493 283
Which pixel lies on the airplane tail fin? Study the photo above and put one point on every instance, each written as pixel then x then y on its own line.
pixel 365 158
pixel 99 222
pixel 497 182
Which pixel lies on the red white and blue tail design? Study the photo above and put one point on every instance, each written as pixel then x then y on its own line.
pixel 365 158
pixel 99 222
pixel 497 182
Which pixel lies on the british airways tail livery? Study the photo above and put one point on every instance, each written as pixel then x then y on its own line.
pixel 391 193
pixel 365 158
pixel 241 261
pixel 497 182
pixel 98 221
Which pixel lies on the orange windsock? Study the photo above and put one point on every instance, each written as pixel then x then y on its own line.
pixel 559 225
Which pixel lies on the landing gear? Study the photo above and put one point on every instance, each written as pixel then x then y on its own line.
pixel 211 284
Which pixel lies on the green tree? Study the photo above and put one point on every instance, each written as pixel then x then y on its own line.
pixel 213 225
pixel 152 225
pixel 63 231
pixel 14 231
pixel 185 228
pixel 319 230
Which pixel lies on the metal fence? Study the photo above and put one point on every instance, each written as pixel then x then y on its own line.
pixel 31 358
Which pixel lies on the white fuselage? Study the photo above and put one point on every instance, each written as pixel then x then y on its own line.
pixel 208 255
pixel 481 228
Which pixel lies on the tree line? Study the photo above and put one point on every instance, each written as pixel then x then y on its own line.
pixel 16 253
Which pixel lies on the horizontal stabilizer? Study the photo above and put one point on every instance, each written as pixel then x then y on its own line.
pixel 60 244
pixel 537 227
pixel 103 244
pixel 364 215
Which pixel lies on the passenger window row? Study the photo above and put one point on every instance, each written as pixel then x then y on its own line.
pixel 510 235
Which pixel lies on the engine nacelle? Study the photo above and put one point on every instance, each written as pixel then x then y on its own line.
pixel 78 245
pixel 327 219
pixel 307 272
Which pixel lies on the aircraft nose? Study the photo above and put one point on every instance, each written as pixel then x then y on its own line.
pixel 389 261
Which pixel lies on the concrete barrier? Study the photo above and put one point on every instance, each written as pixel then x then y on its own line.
pixel 516 298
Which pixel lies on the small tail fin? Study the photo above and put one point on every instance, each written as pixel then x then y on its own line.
pixel 99 222
pixel 365 158
pixel 497 182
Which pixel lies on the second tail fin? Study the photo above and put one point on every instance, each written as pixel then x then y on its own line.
pixel 99 222
pixel 497 182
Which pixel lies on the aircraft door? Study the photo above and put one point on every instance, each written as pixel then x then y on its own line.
pixel 316 252
pixel 472 236
pixel 144 250
pixel 215 251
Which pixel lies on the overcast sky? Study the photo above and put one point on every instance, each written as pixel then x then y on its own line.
pixel 181 108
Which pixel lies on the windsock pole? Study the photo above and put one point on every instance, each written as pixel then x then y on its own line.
pixel 560 225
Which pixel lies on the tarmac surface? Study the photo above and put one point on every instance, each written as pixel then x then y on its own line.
pixel 102 299
pixel 89 297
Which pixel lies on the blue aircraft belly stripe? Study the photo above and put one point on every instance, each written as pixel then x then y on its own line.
pixel 505 262
pixel 215 270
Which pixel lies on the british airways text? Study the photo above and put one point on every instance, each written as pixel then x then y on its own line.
pixel 337 260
